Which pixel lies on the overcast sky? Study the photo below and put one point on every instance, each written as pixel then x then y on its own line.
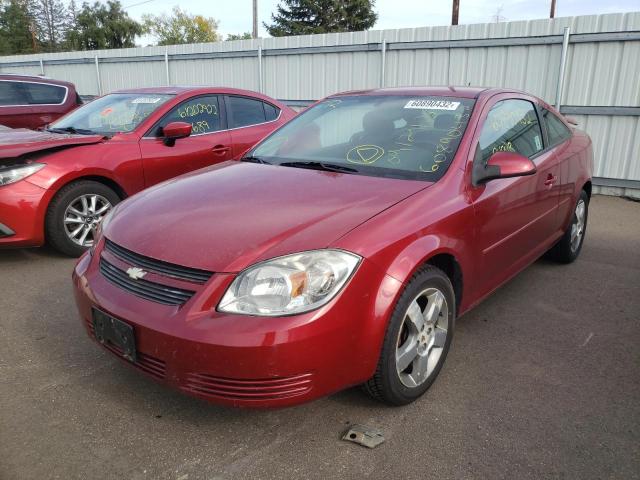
pixel 234 16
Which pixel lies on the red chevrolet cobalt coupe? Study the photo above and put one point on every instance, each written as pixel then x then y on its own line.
pixel 57 185
pixel 341 250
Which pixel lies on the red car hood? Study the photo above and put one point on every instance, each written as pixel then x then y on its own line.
pixel 232 215
pixel 20 141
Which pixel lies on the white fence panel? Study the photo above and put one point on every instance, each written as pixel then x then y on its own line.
pixel 602 70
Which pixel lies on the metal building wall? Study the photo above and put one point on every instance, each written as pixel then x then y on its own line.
pixel 524 55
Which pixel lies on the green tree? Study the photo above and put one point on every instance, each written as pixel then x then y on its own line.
pixel 242 36
pixel 180 27
pixel 51 20
pixel 302 17
pixel 101 26
pixel 17 28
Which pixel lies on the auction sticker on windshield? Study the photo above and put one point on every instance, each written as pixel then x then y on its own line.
pixel 432 104
pixel 146 100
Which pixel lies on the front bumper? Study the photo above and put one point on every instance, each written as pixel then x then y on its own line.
pixel 22 209
pixel 243 360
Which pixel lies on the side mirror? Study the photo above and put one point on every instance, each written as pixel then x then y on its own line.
pixel 175 130
pixel 503 165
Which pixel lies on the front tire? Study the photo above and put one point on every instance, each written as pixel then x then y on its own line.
pixel 570 245
pixel 75 213
pixel 417 340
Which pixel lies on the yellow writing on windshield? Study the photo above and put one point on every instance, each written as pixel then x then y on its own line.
pixel 365 154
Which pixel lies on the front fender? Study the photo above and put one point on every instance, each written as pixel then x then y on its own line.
pixel 399 243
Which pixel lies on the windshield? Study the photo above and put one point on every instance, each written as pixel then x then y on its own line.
pixel 118 112
pixel 391 136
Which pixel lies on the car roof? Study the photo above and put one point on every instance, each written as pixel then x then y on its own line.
pixel 444 91
pixel 200 89
pixel 180 89
pixel 34 78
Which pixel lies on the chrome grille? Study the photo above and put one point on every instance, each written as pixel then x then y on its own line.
pixel 153 291
pixel 165 268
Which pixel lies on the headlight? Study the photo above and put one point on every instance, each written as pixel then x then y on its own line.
pixel 291 284
pixel 18 172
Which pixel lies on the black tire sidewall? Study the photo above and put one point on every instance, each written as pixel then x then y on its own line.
pixel 395 390
pixel 54 222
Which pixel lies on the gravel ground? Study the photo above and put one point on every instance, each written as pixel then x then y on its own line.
pixel 543 381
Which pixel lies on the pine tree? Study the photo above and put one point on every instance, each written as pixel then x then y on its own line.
pixel 17 28
pixel 51 19
pixel 71 25
pixel 302 17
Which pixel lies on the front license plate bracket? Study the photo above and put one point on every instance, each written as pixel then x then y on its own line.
pixel 109 330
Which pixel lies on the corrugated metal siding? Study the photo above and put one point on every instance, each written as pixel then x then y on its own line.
pixel 597 73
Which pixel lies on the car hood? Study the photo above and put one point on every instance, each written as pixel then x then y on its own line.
pixel 21 141
pixel 227 217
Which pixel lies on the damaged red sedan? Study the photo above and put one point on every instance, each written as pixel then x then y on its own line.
pixel 341 250
pixel 56 185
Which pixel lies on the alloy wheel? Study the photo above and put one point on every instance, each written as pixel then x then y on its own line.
pixel 422 337
pixel 83 216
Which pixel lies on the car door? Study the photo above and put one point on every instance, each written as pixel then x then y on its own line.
pixel 250 120
pixel 208 144
pixel 514 217
pixel 558 137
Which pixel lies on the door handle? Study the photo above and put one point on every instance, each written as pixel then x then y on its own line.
pixel 551 180
pixel 220 149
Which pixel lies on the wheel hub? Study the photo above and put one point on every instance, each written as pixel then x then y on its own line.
pixel 422 337
pixel 83 216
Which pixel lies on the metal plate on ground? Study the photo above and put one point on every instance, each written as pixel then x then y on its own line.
pixel 363 435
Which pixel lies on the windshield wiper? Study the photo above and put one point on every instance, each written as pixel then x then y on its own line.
pixel 328 167
pixel 74 130
pixel 253 159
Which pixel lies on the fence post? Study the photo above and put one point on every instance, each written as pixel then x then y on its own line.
pixel 383 62
pixel 98 76
pixel 563 65
pixel 41 67
pixel 260 83
pixel 166 65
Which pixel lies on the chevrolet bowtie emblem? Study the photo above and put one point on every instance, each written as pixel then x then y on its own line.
pixel 136 273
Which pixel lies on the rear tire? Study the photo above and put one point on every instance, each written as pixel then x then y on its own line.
pixel 78 207
pixel 569 246
pixel 417 340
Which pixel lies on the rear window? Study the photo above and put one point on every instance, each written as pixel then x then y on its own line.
pixel 11 93
pixel 43 94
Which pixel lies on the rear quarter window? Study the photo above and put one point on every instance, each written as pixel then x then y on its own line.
pixel 43 94
pixel 271 112
pixel 557 131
